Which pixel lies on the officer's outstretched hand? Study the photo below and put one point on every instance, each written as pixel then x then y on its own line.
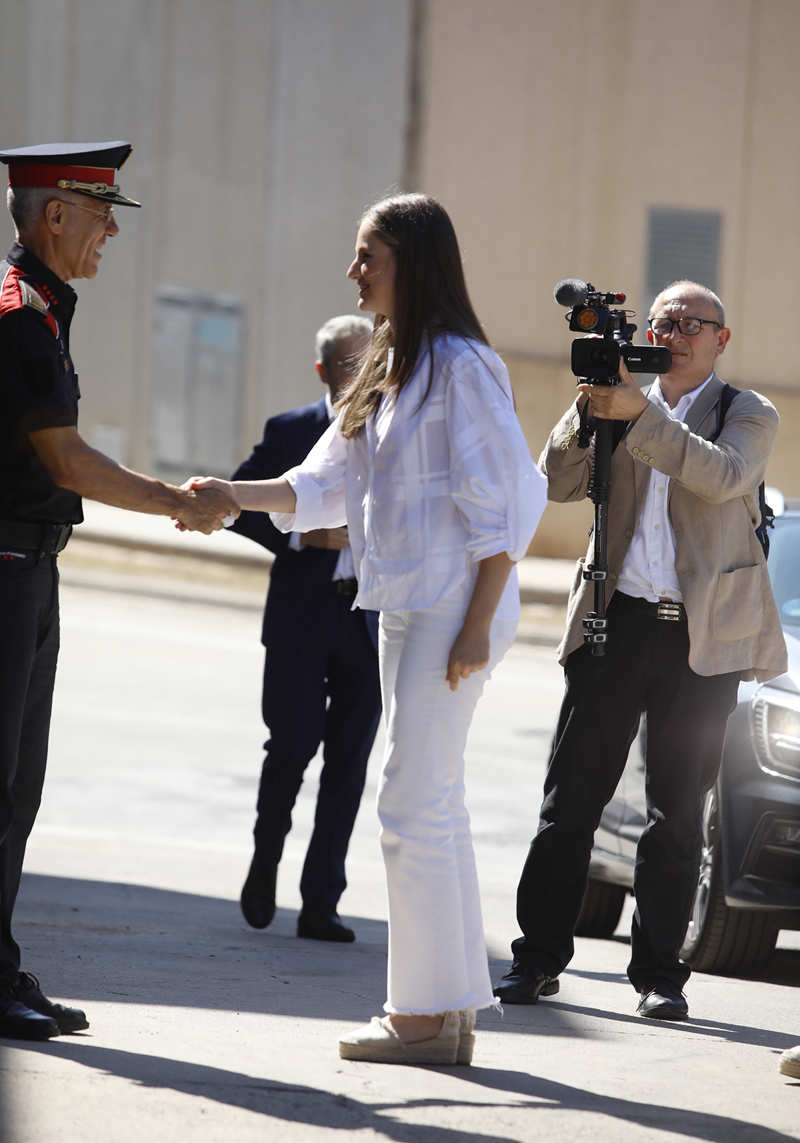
pixel 208 504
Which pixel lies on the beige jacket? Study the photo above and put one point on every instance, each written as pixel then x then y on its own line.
pixel 713 506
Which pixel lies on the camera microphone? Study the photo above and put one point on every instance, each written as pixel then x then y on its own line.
pixel 571 292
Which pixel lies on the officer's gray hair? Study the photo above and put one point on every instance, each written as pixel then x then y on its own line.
pixel 688 287
pixel 348 325
pixel 26 205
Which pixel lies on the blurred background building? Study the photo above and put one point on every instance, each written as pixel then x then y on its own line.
pixel 621 141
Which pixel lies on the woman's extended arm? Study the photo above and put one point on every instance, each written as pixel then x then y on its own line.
pixel 470 651
pixel 253 495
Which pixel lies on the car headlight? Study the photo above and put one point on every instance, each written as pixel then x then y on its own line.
pixel 776 732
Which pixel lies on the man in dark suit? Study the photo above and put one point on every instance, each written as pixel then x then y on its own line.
pixel 321 667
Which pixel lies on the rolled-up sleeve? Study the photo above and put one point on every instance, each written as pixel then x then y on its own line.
pixel 319 485
pixel 497 488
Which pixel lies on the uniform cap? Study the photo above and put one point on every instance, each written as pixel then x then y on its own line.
pixel 85 168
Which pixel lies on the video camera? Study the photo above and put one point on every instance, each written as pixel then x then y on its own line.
pixel 597 359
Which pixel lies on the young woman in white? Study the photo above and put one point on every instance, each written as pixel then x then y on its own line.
pixel 427 465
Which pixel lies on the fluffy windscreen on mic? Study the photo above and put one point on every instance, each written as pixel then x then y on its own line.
pixel 571 292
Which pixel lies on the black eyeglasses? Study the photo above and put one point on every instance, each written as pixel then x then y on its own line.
pixel 689 326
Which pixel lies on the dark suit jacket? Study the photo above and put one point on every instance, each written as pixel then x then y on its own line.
pixel 299 581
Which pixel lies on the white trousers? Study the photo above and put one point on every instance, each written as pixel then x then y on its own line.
pixel 437 950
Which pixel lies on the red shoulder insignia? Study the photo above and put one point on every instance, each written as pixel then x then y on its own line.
pixel 16 292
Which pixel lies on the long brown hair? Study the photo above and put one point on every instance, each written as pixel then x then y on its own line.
pixel 430 297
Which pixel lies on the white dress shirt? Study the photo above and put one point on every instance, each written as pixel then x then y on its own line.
pixel 431 486
pixel 344 565
pixel 648 570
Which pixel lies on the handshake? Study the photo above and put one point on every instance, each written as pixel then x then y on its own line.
pixel 206 505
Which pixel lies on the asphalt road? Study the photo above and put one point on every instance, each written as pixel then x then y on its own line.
pixel 203 1029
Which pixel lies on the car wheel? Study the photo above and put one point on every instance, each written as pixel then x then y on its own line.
pixel 720 939
pixel 601 909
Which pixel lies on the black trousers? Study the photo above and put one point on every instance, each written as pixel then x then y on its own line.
pixel 645 669
pixel 321 687
pixel 28 655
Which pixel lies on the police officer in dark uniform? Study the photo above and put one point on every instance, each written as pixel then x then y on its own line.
pixel 61 199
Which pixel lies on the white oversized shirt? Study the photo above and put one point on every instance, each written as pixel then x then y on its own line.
pixel 429 487
pixel 344 564
pixel 648 570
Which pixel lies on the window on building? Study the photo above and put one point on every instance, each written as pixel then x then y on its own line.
pixel 198 353
pixel 682 244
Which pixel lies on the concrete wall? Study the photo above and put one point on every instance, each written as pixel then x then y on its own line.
pixel 261 130
pixel 549 131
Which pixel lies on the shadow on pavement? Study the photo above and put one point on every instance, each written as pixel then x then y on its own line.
pixel 116 942
pixel 660 1119
pixel 303 1104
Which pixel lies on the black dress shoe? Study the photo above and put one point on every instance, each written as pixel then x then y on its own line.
pixel 324 927
pixel 21 1023
pixel 28 992
pixel 521 985
pixel 664 1002
pixel 258 892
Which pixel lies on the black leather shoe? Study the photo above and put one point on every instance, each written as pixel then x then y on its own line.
pixel 258 892
pixel 664 1002
pixel 28 992
pixel 521 985
pixel 324 927
pixel 21 1023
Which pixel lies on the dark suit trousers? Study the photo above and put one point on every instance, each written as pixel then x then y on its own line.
pixel 28 655
pixel 645 669
pixel 324 688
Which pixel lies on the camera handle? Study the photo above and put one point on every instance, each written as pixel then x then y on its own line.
pixel 595 623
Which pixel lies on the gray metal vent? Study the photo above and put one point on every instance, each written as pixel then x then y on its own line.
pixel 682 244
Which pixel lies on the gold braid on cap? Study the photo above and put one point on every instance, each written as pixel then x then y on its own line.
pixel 92 188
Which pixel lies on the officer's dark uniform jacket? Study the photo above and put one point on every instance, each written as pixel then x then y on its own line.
pixel 38 388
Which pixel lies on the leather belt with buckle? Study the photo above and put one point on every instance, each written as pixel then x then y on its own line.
pixel 670 609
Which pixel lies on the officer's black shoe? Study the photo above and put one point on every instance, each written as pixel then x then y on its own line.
pixel 664 1002
pixel 18 1022
pixel 28 992
pixel 521 985
pixel 323 927
pixel 258 892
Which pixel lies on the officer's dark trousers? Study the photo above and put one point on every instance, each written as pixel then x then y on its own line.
pixel 322 688
pixel 645 669
pixel 29 638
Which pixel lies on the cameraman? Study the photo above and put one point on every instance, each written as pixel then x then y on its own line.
pixel 691 613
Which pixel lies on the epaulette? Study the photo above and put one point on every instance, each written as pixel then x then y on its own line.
pixel 31 297
pixel 16 292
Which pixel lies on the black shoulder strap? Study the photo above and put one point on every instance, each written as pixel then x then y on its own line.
pixel 767 519
pixel 726 398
